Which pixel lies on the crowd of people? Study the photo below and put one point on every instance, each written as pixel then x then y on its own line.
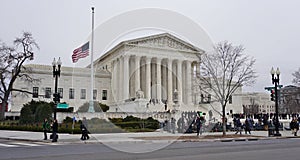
pixel 187 123
pixel 267 123
pixel 239 126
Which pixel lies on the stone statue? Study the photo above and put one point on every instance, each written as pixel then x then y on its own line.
pixel 175 96
pixel 139 94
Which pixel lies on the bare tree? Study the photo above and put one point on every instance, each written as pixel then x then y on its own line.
pixel 296 75
pixel 290 102
pixel 12 59
pixel 223 71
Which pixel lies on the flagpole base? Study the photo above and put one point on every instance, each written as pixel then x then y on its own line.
pixel 91 107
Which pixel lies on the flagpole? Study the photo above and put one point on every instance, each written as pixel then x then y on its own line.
pixel 91 106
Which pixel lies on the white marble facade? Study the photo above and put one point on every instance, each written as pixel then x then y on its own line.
pixel 156 65
pixel 140 75
pixel 75 79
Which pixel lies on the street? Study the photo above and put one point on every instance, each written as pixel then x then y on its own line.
pixel 277 149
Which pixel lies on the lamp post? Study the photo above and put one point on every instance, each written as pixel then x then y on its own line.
pixel 56 74
pixel 275 81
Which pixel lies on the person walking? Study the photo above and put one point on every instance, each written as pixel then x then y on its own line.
pixel 238 125
pixel 84 129
pixel 54 131
pixel 84 132
pixel 46 128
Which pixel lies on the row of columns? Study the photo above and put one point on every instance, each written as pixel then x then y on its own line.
pixel 121 77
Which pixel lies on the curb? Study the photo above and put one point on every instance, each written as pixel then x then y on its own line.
pixel 92 141
pixel 22 139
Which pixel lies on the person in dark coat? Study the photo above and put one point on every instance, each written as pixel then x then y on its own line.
pixel 54 131
pixel 198 124
pixel 46 128
pixel 84 132
pixel 294 125
pixel 238 125
pixel 248 125
pixel 84 129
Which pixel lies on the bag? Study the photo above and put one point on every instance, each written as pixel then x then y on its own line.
pixel 51 136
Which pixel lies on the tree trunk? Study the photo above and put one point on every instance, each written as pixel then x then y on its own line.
pixel 2 112
pixel 224 120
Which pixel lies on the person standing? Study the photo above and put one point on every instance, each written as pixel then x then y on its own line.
pixel 54 131
pixel 199 122
pixel 238 126
pixel 46 128
pixel 248 125
pixel 294 125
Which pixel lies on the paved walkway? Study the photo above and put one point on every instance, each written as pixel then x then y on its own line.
pixel 138 137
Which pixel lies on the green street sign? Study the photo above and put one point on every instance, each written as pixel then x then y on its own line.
pixel 62 105
pixel 270 88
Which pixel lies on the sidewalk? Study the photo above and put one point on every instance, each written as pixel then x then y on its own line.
pixel 140 137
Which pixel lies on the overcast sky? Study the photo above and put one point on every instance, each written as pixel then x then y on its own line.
pixel 268 29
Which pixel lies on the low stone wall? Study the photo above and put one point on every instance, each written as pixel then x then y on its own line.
pixel 160 116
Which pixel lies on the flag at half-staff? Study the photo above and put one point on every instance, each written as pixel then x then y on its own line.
pixel 80 52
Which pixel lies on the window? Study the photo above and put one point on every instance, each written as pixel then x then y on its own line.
pixel 94 94
pixel 61 92
pixel 71 93
pixel 35 92
pixel 104 94
pixel 83 94
pixel 48 92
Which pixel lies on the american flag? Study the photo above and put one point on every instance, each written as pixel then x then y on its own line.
pixel 80 52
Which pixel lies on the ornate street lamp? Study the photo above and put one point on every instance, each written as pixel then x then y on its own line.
pixel 275 81
pixel 56 74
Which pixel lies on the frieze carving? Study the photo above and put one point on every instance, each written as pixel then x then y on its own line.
pixel 163 42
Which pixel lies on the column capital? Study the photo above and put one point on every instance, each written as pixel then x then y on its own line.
pixel 170 59
pixel 188 62
pixel 159 59
pixel 125 56
pixel 148 59
pixel 138 57
pixel 179 60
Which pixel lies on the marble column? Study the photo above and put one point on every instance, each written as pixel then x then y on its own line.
pixel 179 82
pixel 188 82
pixel 197 90
pixel 119 77
pixel 158 75
pixel 125 77
pixel 137 73
pixel 113 80
pixel 198 68
pixel 148 78
pixel 170 80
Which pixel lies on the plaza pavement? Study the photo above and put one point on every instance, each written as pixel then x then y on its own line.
pixel 157 136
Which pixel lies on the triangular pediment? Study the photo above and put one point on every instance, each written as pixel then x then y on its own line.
pixel 161 41
pixel 164 40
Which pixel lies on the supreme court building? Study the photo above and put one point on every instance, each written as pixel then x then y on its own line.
pixel 137 75
pixel 152 68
